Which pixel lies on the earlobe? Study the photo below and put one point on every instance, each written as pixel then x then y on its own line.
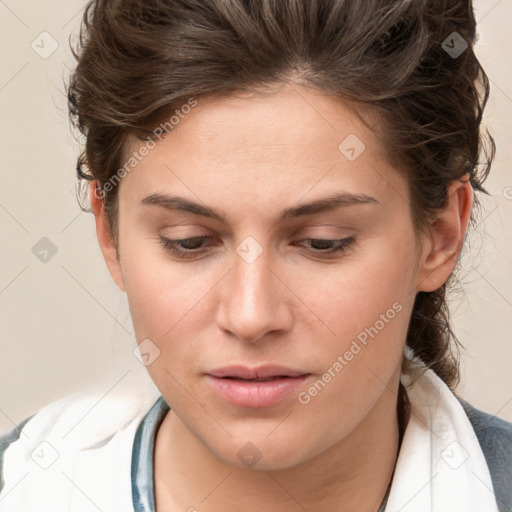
pixel 104 234
pixel 446 236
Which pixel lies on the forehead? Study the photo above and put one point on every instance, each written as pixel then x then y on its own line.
pixel 292 116
pixel 264 147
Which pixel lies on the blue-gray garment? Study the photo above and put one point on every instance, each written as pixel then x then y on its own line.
pixel 494 435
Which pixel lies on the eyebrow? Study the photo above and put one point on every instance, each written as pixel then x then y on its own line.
pixel 332 202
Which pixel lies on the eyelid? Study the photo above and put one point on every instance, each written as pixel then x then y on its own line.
pixel 341 246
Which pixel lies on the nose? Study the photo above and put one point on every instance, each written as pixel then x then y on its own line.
pixel 254 300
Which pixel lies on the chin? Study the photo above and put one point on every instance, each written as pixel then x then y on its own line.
pixel 261 453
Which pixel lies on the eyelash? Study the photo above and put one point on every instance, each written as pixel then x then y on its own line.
pixel 344 245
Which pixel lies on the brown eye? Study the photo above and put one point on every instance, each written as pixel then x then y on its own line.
pixel 185 247
pixel 325 246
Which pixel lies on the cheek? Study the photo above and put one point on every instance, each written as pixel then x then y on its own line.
pixel 351 296
pixel 162 299
pixel 366 304
pixel 167 310
pixel 368 308
pixel 159 291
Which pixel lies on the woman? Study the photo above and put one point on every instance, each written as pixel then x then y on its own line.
pixel 282 189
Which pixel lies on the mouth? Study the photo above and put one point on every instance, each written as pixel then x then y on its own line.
pixel 260 373
pixel 264 386
pixel 267 379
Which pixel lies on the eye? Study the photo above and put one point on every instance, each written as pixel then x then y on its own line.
pixel 185 247
pixel 191 247
pixel 330 246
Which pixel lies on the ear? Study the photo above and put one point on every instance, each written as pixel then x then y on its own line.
pixel 446 236
pixel 104 234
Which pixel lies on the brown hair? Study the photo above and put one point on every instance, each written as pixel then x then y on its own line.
pixel 410 62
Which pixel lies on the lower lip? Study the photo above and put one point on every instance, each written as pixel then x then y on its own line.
pixel 255 394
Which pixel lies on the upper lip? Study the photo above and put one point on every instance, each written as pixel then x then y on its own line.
pixel 259 372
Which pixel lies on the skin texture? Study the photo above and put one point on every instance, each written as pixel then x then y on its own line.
pixel 251 157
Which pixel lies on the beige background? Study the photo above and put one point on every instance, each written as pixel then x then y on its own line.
pixel 64 325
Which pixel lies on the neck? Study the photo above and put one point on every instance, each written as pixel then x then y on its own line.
pixel 352 475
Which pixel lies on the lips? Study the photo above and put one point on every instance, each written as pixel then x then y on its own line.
pixel 267 372
pixel 261 387
pixel 264 386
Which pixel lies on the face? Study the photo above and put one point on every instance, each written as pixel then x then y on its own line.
pixel 324 291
